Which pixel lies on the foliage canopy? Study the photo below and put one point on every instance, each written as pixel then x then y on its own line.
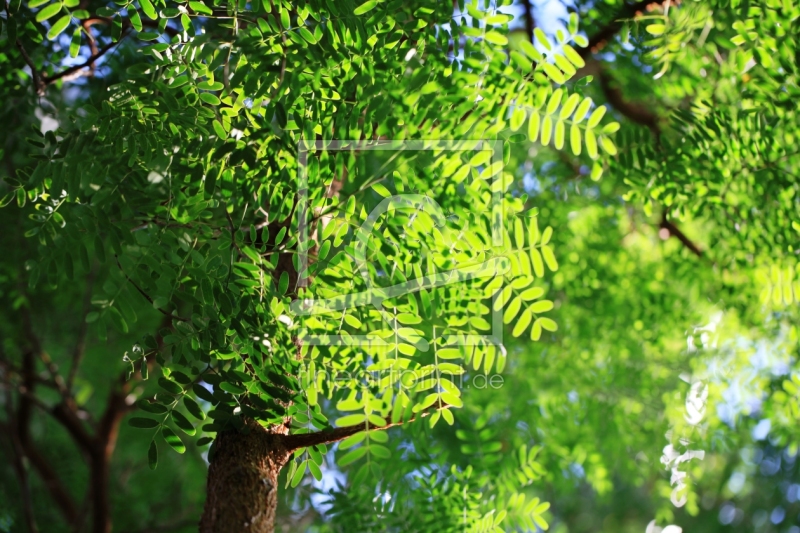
pixel 456 265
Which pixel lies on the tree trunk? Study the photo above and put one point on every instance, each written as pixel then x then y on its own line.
pixel 242 492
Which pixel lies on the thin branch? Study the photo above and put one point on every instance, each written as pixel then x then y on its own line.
pixel 636 113
pixel 66 73
pixel 19 465
pixel 67 417
pixel 80 343
pixel 303 440
pixel 676 232
pixel 37 81
pixel 530 21
pixel 599 40
pixel 126 23
pixel 147 296
pixel 21 428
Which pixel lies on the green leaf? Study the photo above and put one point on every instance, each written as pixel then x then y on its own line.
pixel 542 306
pixel 169 386
pixel 173 439
pixel 48 12
pixel 496 38
pixel 655 29
pixel 365 7
pixel 548 323
pixel 591 143
pixel 523 323
pixel 227 386
pixel 283 283
pixel 315 470
pixel 596 117
pixel 511 310
pixel 553 73
pixel 58 27
pixel 307 35
pixel 209 184
pixel 379 451
pixel 538 264
pixel 351 420
pixel 575 139
pixel 199 7
pixel 149 10
pixel 352 456
pixel 597 171
pixel 152 455
pixel 448 416
pixel 542 38
pixel 148 35
pixel 381 190
pixel 136 20
pixel 151 407
pixel 573 56
pixel 549 258
pixel 75 43
pixel 582 110
pixel 536 330
pixel 449 353
pixel 533 126
pixel 207 85
pixel 194 408
pixel 608 145
pixel 209 98
pixel 219 129
pixel 547 130
pixel 298 475
pixel 353 440
pixel 530 50
pixel 569 106
pixel 142 422
pixel 117 320
pixel 183 423
pixel 560 133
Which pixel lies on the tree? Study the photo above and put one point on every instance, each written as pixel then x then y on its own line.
pixel 296 224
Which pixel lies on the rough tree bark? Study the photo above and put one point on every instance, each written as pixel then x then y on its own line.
pixel 242 492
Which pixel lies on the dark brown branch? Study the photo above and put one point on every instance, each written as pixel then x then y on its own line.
pixel 20 427
pixel 628 11
pixel 126 23
pixel 147 296
pixel 303 440
pixel 61 496
pixel 676 232
pixel 19 465
pixel 636 113
pixel 83 328
pixel 37 81
pixel 66 73
pixel 530 21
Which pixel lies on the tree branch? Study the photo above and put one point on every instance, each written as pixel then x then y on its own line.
pixel 83 328
pixel 37 81
pixel 628 11
pixel 21 430
pixel 66 73
pixel 636 113
pixel 530 21
pixel 673 230
pixel 19 465
pixel 303 440
pixel 147 296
